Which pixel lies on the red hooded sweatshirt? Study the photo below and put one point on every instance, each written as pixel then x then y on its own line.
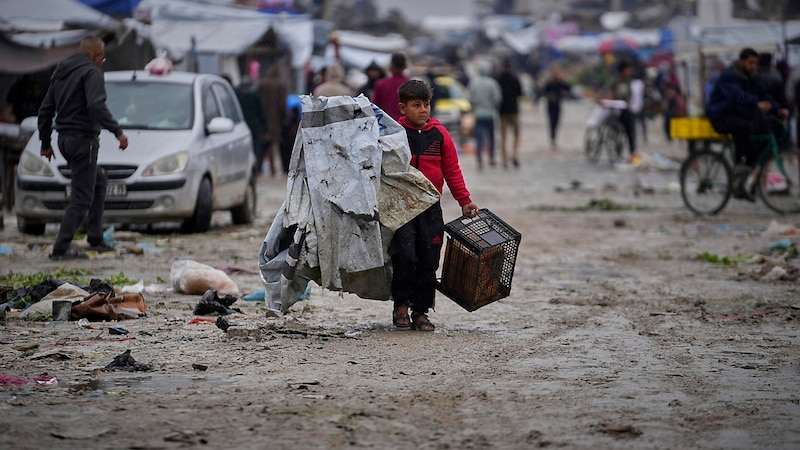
pixel 434 154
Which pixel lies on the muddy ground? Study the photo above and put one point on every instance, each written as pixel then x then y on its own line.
pixel 615 334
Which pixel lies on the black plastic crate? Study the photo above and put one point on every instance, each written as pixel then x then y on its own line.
pixel 479 260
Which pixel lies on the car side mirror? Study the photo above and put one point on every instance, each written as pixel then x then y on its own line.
pixel 219 125
pixel 29 126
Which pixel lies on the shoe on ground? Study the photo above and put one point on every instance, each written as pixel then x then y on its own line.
pixel 400 317
pixel 70 254
pixel 102 247
pixel 420 322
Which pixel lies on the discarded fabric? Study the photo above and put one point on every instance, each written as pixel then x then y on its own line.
pixel 213 303
pixel 125 361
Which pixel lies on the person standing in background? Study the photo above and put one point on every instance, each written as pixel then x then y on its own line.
pixel 253 110
pixel 76 99
pixel 554 91
pixel 334 83
pixel 511 91
pixel 771 79
pixel 384 95
pixel 620 88
pixel 273 97
pixel 485 96
pixel 374 72
pixel 792 93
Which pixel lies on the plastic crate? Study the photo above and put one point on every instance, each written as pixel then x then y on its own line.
pixel 693 128
pixel 479 260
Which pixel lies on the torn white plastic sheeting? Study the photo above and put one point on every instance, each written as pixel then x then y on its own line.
pixel 350 187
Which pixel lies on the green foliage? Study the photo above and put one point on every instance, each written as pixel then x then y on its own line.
pixel 119 280
pixel 17 280
pixel 726 261
pixel 81 276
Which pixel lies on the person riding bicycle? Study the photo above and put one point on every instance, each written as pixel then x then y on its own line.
pixel 738 106
pixel 620 87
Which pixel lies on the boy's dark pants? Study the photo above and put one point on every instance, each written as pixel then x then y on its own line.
pixel 88 191
pixel 416 250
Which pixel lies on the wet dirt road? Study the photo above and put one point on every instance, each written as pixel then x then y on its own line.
pixel 615 334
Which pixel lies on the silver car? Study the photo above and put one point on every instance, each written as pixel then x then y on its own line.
pixel 190 153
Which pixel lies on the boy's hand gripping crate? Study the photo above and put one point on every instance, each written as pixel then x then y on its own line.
pixel 479 260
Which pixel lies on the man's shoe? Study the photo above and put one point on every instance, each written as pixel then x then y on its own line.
pixel 68 255
pixel 102 247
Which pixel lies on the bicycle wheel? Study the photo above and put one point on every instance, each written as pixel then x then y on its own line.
pixel 705 182
pixel 615 141
pixel 592 142
pixel 779 181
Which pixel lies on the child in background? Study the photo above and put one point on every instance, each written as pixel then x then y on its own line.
pixel 416 246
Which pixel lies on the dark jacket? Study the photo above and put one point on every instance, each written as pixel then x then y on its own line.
pixel 555 91
pixel 78 94
pixel 511 89
pixel 737 94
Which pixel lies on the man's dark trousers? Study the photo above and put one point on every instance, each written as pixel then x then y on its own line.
pixel 88 190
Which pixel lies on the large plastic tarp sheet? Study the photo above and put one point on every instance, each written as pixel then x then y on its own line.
pixel 350 186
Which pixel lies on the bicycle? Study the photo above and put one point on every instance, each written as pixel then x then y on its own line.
pixel 605 132
pixel 706 175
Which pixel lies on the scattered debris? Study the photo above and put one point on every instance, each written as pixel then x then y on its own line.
pixel 619 429
pixel 213 303
pixel 222 323
pixel 124 361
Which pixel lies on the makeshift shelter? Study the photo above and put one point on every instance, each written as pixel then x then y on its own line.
pixel 34 38
pixel 357 49
pixel 218 39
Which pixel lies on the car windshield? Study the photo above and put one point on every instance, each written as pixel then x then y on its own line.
pixel 150 106
pixel 451 91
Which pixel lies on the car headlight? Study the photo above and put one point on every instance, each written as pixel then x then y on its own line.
pixel 30 164
pixel 171 164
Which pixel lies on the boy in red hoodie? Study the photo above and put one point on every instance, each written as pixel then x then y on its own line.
pixel 416 246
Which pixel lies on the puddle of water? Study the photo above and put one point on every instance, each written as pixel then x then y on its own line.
pixel 155 383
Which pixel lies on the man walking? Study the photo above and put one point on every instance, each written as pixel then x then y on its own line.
pixel 384 94
pixel 77 100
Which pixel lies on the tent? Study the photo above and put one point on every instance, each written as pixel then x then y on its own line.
pixel 214 37
pixel 357 49
pixel 47 33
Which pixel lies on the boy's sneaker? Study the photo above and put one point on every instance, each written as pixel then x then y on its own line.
pixel 102 247
pixel 68 255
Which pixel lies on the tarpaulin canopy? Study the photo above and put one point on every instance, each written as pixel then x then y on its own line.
pixel 221 29
pixel 358 49
pixel 35 37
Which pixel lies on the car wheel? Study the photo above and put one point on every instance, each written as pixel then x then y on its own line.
pixel 245 213
pixel 28 227
pixel 200 221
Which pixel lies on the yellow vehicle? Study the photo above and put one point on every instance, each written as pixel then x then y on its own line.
pixel 452 106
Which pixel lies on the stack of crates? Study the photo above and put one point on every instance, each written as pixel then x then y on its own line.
pixel 479 260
